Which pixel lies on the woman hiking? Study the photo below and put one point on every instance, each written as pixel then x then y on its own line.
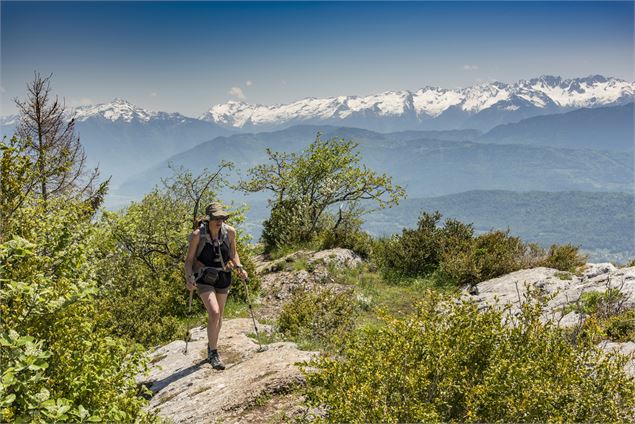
pixel 211 256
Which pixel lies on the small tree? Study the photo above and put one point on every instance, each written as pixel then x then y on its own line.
pixel 327 173
pixel 49 138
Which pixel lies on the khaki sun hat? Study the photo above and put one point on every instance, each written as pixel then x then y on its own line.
pixel 215 211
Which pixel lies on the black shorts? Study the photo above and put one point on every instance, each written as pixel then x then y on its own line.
pixel 220 286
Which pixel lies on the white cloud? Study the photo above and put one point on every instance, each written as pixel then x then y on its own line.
pixel 153 94
pixel 237 92
pixel 470 67
pixel 249 83
pixel 2 90
pixel 283 82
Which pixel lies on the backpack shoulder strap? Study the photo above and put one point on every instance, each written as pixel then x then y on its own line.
pixel 204 237
pixel 224 236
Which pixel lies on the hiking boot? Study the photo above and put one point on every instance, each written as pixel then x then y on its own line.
pixel 214 359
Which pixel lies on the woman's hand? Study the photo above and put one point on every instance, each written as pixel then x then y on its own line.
pixel 242 273
pixel 191 283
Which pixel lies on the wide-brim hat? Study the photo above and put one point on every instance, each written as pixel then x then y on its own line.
pixel 215 211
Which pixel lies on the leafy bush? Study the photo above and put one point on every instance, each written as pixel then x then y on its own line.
pixel 317 316
pixel 564 258
pixel 58 365
pixel 451 362
pixel 288 225
pixel 415 252
pixel 498 253
pixel 348 234
pixel 621 327
pixel 603 304
pixel 452 250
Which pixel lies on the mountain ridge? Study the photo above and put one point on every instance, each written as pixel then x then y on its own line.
pixel 481 106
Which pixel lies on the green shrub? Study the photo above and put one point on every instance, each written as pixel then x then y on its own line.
pixel 498 253
pixel 458 265
pixel 602 304
pixel 288 225
pixel 450 362
pixel 319 315
pixel 564 258
pixel 348 235
pixel 621 327
pixel 58 364
pixel 413 253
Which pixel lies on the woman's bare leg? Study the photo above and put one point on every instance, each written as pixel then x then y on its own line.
pixel 221 299
pixel 213 317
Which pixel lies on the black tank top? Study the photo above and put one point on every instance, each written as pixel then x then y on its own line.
pixel 209 254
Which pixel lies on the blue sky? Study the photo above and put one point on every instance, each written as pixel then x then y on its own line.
pixel 186 57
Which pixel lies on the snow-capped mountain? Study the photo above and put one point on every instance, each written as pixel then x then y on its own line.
pixel 481 106
pixel 120 110
pixel 122 138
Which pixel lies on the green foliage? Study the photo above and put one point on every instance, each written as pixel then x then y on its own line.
pixel 458 257
pixel 603 304
pixel 600 222
pixel 498 253
pixel 621 327
pixel 17 180
pixel 58 365
pixel 413 253
pixel 604 316
pixel 319 315
pixel 564 258
pixel 305 185
pixel 450 362
pixel 286 226
pixel 348 234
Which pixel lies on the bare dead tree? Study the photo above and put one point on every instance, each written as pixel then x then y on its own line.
pixel 50 139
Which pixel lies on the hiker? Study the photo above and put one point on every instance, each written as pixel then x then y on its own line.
pixel 211 256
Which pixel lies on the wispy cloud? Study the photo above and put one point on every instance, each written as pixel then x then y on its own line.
pixel 237 92
pixel 249 83
pixel 470 67
pixel 154 94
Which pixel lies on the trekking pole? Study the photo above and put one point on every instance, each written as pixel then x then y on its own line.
pixel 189 321
pixel 261 348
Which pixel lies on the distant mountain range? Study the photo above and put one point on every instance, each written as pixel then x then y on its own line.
pixel 426 163
pixel 479 107
pixel 603 128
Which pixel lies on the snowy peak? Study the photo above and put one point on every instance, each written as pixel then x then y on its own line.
pixel 120 110
pixel 543 92
pixel 592 91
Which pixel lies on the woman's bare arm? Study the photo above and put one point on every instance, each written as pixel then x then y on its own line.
pixel 189 258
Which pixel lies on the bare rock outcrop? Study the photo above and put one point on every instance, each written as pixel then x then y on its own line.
pixel 337 257
pixel 566 288
pixel 301 270
pixel 188 390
